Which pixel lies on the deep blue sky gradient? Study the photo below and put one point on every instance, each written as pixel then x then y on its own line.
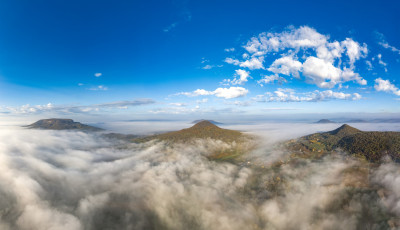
pixel 48 47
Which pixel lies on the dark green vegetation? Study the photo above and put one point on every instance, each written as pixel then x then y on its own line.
pixel 324 121
pixel 372 146
pixel 61 124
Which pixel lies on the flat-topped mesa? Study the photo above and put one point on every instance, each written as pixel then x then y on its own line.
pixel 61 124
pixel 344 130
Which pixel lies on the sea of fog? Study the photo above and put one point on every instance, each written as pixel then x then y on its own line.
pixel 74 180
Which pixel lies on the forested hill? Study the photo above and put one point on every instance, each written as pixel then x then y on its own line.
pixel 372 146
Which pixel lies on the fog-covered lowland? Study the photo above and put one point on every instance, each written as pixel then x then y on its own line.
pixel 56 179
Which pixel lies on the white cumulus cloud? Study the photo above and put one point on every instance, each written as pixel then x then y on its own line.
pixel 227 93
pixel 386 86
pixel 304 51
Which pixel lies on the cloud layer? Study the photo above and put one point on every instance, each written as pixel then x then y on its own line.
pixel 73 180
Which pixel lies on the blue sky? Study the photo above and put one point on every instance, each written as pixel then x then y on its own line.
pixel 144 59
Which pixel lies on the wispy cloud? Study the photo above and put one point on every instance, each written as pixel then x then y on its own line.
pixel 280 108
pixel 99 87
pixel 68 109
pixel 382 42
pixel 170 27
pixel 178 104
pixel 290 95
pixel 184 16
pixel 98 74
pixel 381 62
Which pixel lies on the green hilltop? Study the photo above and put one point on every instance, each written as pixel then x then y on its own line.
pixel 372 146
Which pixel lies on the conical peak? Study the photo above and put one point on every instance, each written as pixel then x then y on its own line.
pixel 203 124
pixel 345 129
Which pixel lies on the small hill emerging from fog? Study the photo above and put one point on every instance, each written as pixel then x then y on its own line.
pixel 324 121
pixel 372 146
pixel 202 130
pixel 61 124
pixel 236 143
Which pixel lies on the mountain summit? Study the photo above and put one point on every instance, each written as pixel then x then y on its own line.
pixel 344 130
pixel 201 130
pixel 61 124
pixel 211 121
pixel 204 124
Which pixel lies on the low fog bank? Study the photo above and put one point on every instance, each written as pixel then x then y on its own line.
pixel 286 131
pixel 75 180
pixel 272 131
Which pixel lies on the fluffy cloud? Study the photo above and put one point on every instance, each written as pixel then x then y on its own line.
pixel 354 50
pixel 227 93
pixel 318 71
pixel 290 95
pixel 207 67
pixel 287 66
pixel 303 50
pixel 211 66
pixel 270 79
pixel 232 92
pixel 386 86
pixel 98 74
pixel 253 63
pixel 241 77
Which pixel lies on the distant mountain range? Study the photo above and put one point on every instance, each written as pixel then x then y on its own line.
pixel 61 124
pixel 356 120
pixel 372 146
